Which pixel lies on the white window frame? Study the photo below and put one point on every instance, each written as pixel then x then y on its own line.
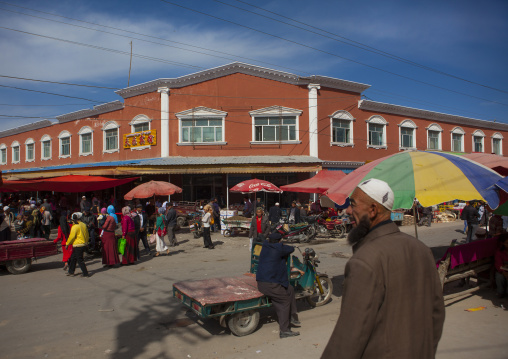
pixel 29 141
pixel 85 130
pixel 14 145
pixel 435 128
pixel 411 125
pixel 3 147
pixel 140 119
pixel 343 116
pixel 497 136
pixel 201 113
pixel 377 120
pixel 62 136
pixel 110 125
pixel 276 111
pixel 457 131
pixel 46 138
pixel 481 135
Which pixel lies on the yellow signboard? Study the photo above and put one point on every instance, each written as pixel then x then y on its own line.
pixel 140 139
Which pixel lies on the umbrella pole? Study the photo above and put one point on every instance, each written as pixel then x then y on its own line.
pixel 227 191
pixel 414 216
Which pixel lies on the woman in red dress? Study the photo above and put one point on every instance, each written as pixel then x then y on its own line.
pixel 128 231
pixel 63 234
pixel 109 244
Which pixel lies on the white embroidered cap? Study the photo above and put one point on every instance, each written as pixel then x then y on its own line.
pixel 379 191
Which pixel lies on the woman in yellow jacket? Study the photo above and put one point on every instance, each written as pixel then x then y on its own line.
pixel 78 238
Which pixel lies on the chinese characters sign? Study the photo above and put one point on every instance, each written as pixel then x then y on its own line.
pixel 140 139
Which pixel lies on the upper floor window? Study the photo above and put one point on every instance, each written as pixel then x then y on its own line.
pixel 45 147
pixel 30 150
pixel 497 143
pixel 140 123
pixel 201 125
pixel 434 137
pixel 458 139
pixel 85 141
pixel 3 154
pixel 275 124
pixel 110 130
pixel 407 131
pixel 342 128
pixel 15 152
pixel 478 143
pixel 376 131
pixel 65 144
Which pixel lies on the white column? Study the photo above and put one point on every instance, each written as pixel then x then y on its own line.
pixel 164 135
pixel 313 119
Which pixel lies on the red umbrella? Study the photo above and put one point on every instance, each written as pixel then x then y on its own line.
pixel 152 188
pixel 318 184
pixel 255 185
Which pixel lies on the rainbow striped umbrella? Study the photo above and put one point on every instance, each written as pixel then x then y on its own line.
pixel 430 177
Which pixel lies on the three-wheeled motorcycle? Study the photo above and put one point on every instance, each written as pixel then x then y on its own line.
pixel 235 301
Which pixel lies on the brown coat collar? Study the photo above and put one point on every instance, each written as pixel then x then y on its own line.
pixel 380 231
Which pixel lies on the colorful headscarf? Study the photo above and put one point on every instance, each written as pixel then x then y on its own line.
pixel 104 210
pixel 111 212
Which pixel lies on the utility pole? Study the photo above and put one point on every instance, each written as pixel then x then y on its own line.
pixel 130 66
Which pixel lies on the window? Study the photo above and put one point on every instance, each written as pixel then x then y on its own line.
pixel 30 150
pixel 65 144
pixel 201 130
pixel 201 126
pixel 275 124
pixel 376 131
pixel 140 123
pixel 342 128
pixel 111 137
pixel 3 154
pixel 497 143
pixel 478 145
pixel 85 141
pixel 15 152
pixel 434 137
pixel 407 130
pixel 457 139
pixel 275 128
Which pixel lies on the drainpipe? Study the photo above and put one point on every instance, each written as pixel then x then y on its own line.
pixel 164 135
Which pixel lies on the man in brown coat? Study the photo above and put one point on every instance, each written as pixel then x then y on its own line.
pixel 392 303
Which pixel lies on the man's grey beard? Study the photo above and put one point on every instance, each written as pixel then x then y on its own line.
pixel 360 231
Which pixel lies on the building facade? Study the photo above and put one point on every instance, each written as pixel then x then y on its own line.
pixel 235 121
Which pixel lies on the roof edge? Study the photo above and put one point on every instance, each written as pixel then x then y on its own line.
pixel 25 128
pixel 97 110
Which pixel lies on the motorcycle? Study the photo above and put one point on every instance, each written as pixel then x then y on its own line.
pixel 295 232
pixel 195 226
pixel 337 227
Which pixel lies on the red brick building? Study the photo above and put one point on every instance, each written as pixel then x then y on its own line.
pixel 210 129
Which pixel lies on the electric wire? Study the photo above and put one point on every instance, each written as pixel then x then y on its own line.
pixel 332 54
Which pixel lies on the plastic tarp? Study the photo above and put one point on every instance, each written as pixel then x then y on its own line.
pixel 70 183
pixel 318 184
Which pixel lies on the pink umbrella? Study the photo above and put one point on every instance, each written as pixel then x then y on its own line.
pixel 152 188
pixel 255 185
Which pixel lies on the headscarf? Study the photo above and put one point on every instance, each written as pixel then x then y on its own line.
pixel 104 210
pixel 161 210
pixel 126 211
pixel 111 212
pixel 64 225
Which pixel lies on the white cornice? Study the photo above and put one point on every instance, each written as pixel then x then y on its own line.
pixel 25 128
pixel 428 115
pixel 276 110
pixel 200 111
pixel 239 67
pixel 97 110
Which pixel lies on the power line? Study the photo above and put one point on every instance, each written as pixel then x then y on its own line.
pixel 59 83
pixel 353 43
pixel 149 36
pixel 145 57
pixel 331 54
pixel 49 93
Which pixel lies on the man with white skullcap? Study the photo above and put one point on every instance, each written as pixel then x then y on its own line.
pixel 392 302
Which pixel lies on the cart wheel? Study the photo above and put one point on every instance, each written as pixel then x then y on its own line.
pixel 243 323
pixel 19 266
pixel 180 221
pixel 317 299
pixel 227 233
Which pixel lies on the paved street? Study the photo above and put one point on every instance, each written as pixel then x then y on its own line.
pixel 129 312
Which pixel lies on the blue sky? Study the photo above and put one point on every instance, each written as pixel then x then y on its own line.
pixel 465 41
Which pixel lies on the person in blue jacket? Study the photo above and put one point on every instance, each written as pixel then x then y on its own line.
pixel 272 279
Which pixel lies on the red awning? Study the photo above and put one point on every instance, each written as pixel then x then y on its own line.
pixel 71 183
pixel 318 184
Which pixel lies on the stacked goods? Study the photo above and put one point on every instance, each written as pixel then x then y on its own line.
pixel 446 217
pixel 408 220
